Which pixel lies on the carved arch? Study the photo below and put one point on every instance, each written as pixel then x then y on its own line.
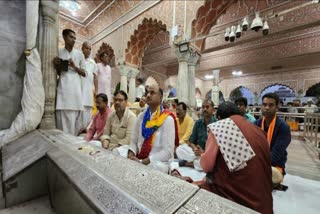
pixel 105 48
pixel 141 37
pixel 206 17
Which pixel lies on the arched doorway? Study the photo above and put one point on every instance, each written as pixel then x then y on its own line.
pixel 242 91
pixel 285 93
pixel 141 38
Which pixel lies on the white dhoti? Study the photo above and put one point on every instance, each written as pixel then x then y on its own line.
pixel 158 165
pixel 85 117
pixel 68 121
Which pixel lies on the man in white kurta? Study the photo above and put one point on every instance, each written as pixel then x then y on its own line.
pixel 140 89
pixel 69 92
pixel 88 85
pixel 165 138
pixel 104 76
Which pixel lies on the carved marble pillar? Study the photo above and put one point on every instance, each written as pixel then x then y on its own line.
pixel 132 84
pixel 123 78
pixel 48 50
pixel 215 87
pixel 186 75
pixel 192 65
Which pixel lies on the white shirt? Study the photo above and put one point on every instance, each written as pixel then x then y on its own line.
pixel 140 91
pixel 163 147
pixel 104 80
pixel 88 81
pixel 69 91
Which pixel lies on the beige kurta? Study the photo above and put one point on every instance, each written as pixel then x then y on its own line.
pixel 119 132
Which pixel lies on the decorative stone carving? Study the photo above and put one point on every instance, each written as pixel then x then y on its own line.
pixel 48 50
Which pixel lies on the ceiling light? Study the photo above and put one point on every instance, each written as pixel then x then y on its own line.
pixel 245 24
pixel 256 23
pixel 208 77
pixel 226 35
pixel 236 73
pixel 71 5
pixel 265 29
pixel 232 34
pixel 238 32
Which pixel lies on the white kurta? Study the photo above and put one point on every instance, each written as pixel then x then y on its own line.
pixel 140 91
pixel 69 91
pixel 91 68
pixel 163 148
pixel 104 80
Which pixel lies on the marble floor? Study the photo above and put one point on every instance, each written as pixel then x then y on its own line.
pixel 303 158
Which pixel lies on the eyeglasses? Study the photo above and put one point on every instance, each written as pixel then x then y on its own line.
pixel 206 107
pixel 118 100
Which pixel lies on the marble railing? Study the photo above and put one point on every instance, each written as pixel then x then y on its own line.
pixel 83 178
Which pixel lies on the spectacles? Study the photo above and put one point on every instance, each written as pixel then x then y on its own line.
pixel 118 100
pixel 206 107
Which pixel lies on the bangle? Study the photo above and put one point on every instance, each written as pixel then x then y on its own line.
pixel 140 160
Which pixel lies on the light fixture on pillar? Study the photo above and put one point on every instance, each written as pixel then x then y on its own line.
pixel 238 32
pixel 265 29
pixel 256 23
pixel 226 35
pixel 245 24
pixel 183 47
pixel 232 34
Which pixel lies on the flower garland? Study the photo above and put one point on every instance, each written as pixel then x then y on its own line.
pixel 150 126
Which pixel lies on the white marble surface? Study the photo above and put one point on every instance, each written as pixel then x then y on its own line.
pixel 302 196
pixel 12 42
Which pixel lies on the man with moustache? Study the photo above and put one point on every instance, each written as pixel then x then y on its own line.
pixel 69 92
pixel 198 138
pixel 96 129
pixel 278 135
pixel 120 124
pixel 155 135
pixel 140 105
pixel 89 85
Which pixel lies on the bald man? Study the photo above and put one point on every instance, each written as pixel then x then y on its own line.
pixel 155 135
pixel 89 85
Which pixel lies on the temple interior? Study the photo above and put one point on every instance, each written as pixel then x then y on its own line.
pixel 194 50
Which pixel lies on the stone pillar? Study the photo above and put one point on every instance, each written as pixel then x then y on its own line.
pixel 49 50
pixel 123 78
pixel 192 65
pixel 186 75
pixel 132 84
pixel 215 87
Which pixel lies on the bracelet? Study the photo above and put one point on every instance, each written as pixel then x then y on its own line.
pixel 140 160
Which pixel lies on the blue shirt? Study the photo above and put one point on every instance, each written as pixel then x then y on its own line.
pixel 199 132
pixel 280 140
pixel 249 117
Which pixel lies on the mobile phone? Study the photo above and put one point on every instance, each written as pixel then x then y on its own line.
pixel 64 65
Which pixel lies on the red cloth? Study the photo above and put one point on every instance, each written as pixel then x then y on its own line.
pixel 96 129
pixel 250 186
